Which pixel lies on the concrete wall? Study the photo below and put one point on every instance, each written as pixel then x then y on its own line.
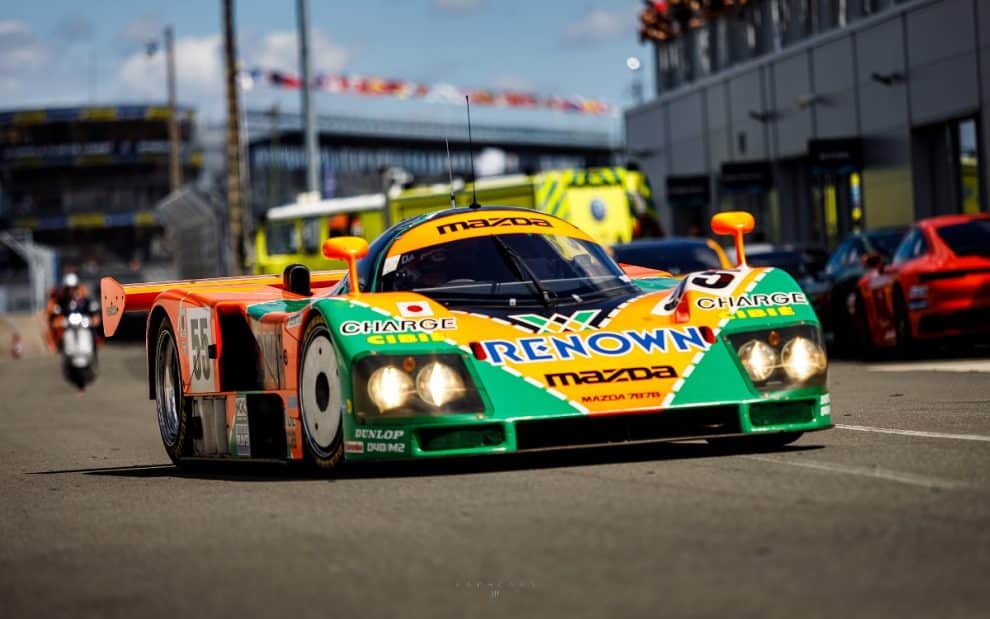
pixel 937 53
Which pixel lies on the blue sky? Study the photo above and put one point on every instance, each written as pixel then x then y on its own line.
pixel 62 52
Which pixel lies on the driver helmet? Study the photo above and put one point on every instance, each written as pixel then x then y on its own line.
pixel 71 280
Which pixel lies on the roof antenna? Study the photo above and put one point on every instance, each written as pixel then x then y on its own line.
pixel 474 177
pixel 450 169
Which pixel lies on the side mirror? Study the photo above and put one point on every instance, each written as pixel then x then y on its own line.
pixel 873 261
pixel 350 249
pixel 736 224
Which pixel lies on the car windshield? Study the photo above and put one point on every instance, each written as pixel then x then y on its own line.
pixel 280 237
pixel 968 239
pixel 490 271
pixel 676 258
pixel 885 241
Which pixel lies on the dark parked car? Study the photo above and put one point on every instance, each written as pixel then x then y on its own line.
pixel 675 255
pixel 842 272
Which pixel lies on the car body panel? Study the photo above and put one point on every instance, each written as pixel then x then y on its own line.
pixel 664 348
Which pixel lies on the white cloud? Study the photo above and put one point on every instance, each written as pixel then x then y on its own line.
pixel 198 70
pixel 457 5
pixel 599 25
pixel 21 52
pixel 280 50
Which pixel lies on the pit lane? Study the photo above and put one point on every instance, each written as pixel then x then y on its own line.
pixel 887 515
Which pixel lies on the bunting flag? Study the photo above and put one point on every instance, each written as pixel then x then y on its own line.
pixel 370 86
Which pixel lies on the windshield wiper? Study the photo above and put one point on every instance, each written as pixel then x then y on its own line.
pixel 523 272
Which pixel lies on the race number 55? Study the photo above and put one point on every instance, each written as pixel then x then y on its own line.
pixel 199 328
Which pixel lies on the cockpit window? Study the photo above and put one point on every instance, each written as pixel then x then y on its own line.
pixel 507 270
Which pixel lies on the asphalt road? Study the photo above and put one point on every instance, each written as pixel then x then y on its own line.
pixel 886 516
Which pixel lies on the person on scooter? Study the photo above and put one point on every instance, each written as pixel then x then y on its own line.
pixel 71 297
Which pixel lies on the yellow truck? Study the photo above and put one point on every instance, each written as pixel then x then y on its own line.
pixel 612 204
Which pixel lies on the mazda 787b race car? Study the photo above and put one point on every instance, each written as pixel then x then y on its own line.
pixel 477 331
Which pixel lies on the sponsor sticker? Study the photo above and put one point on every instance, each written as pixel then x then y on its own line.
pixel 405 338
pixel 764 312
pixel 621 397
pixel 242 431
pixel 374 327
pixel 492 222
pixel 354 447
pixel 565 347
pixel 751 300
pixel 558 323
pixel 611 375
pixel 414 309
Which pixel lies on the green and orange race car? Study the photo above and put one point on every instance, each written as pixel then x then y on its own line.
pixel 477 331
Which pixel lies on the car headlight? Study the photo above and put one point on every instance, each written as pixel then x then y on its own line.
pixel 759 359
pixel 395 385
pixel 438 383
pixel 389 388
pixel 785 358
pixel 802 359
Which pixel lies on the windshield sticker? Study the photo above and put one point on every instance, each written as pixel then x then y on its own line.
pixel 391 264
pixel 600 343
pixel 493 222
pixel 558 323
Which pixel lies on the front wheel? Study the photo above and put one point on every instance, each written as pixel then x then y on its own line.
pixel 320 400
pixel 174 415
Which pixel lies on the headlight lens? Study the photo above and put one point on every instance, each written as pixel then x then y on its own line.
pixel 802 359
pixel 389 388
pixel 439 384
pixel 423 384
pixel 784 358
pixel 759 359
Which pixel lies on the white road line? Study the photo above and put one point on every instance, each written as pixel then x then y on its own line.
pixel 957 437
pixel 867 471
pixel 959 365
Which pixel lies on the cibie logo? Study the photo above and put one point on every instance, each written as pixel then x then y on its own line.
pixel 563 347
pixel 558 323
pixel 493 222
pixel 618 375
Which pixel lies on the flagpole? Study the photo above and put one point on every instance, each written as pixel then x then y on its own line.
pixel 308 112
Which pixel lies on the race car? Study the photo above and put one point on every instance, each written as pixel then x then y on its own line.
pixel 476 331
pixel 937 285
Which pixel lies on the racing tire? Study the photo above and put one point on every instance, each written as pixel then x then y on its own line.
pixel 759 442
pixel 320 400
pixel 174 413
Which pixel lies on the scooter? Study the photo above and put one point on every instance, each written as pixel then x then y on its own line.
pixel 78 349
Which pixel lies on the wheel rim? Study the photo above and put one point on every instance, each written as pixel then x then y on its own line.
pixel 167 389
pixel 319 400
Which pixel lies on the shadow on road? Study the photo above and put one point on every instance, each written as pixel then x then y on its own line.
pixel 471 465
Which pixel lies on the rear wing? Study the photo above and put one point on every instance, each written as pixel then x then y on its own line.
pixel 117 298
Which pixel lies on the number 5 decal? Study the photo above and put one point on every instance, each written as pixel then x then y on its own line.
pixel 199 327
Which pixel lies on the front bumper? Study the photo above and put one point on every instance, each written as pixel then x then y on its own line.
pixel 462 435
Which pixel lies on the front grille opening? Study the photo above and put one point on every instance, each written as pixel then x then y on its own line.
pixel 776 413
pixel 464 437
pixel 592 430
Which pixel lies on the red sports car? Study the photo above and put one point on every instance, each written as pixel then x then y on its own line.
pixel 937 285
